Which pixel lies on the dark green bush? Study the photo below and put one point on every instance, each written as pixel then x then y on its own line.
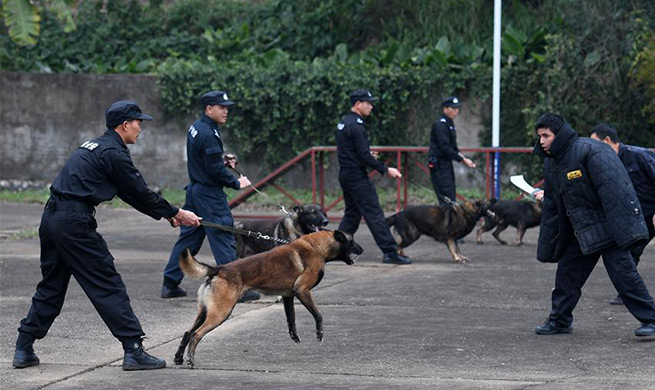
pixel 287 106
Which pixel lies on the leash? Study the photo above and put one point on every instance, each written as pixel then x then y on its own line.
pixel 243 232
pixel 447 199
pixel 282 209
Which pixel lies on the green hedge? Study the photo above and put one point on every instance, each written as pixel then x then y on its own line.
pixel 288 106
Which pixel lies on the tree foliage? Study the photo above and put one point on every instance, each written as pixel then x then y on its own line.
pixel 291 64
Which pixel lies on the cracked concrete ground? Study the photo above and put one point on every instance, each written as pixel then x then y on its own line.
pixel 430 325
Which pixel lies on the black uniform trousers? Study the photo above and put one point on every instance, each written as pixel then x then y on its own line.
pixel 637 251
pixel 574 268
pixel 70 245
pixel 361 199
pixel 442 175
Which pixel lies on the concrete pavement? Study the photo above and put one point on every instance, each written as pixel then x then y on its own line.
pixel 430 325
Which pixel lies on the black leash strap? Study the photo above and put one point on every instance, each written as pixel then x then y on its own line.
pixel 282 209
pixel 247 233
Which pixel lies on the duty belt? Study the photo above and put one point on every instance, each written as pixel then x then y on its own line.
pixel 70 205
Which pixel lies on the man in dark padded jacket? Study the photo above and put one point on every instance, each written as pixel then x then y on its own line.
pixel 97 171
pixel 590 209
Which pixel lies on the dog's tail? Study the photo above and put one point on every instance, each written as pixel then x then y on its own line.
pixel 192 267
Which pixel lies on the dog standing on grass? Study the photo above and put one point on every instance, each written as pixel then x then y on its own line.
pixel 520 214
pixel 290 270
pixel 443 223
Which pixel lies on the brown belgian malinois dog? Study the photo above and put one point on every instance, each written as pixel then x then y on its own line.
pixel 290 270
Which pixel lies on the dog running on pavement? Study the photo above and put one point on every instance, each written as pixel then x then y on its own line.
pixel 300 220
pixel 520 214
pixel 290 270
pixel 443 223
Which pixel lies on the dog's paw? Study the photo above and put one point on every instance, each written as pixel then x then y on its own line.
pixel 319 337
pixel 479 242
pixel 178 360
pixel 520 244
pixel 189 363
pixel 503 242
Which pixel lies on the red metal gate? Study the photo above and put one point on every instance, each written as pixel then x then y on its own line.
pixel 404 156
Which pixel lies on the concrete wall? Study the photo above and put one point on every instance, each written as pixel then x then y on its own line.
pixel 44 117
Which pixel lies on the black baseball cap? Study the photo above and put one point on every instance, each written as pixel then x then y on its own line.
pixel 123 110
pixel 451 101
pixel 362 95
pixel 213 98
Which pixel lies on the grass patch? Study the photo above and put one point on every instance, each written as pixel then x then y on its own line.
pixel 19 235
pixel 26 196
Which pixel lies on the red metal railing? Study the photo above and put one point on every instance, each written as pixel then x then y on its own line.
pixel 405 155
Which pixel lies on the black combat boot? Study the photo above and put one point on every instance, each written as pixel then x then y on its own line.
pixel 249 296
pixel 552 327
pixel 396 258
pixel 25 356
pixel 170 289
pixel 646 330
pixel 136 358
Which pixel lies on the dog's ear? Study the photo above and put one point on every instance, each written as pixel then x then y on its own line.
pixel 340 236
pixel 297 209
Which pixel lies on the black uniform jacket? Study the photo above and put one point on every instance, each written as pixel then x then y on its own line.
pixel 205 155
pixel 353 150
pixel 587 194
pixel 443 141
pixel 102 168
pixel 640 164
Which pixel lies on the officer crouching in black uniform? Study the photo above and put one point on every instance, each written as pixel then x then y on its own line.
pixel 361 199
pixel 589 209
pixel 640 164
pixel 444 150
pixel 96 172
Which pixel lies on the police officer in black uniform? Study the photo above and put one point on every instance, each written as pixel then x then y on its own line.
pixel 443 151
pixel 96 172
pixel 208 175
pixel 360 197
pixel 640 164
pixel 590 209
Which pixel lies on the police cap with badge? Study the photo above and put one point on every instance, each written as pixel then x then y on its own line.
pixel 121 111
pixel 362 95
pixel 216 98
pixel 451 101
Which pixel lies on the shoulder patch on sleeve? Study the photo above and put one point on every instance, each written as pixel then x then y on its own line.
pixel 340 126
pixel 89 145
pixel 193 131
pixel 359 120
pixel 442 120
